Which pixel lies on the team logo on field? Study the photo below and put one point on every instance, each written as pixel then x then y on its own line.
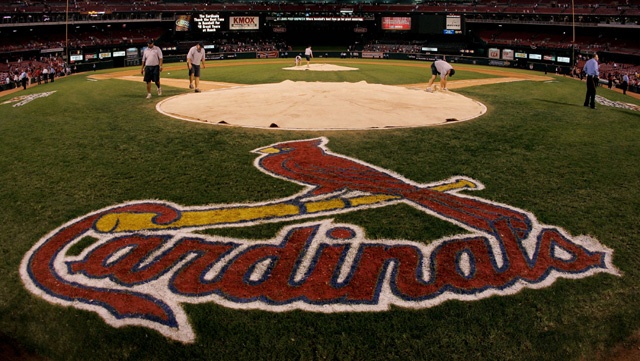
pixel 25 99
pixel 140 261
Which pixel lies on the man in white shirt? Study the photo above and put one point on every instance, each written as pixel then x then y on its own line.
pixel 45 74
pixel 442 68
pixel 152 66
pixel 195 59
pixel 308 54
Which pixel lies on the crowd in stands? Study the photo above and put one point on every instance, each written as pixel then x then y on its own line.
pixel 394 47
pixel 611 72
pixel 251 45
pixel 40 70
pixel 542 39
pixel 80 39
pixel 476 12
pixel 586 11
pixel 558 6
pixel 110 28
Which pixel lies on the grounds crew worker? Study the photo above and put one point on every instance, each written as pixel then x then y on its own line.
pixel 152 66
pixel 195 59
pixel 442 68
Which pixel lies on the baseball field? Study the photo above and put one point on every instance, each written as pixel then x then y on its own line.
pixel 130 234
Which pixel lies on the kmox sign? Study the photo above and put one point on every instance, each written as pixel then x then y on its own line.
pixel 244 23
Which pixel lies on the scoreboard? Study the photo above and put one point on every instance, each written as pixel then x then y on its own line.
pixel 208 22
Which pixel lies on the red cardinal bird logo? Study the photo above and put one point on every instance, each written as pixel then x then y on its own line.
pixel 147 258
pixel 310 163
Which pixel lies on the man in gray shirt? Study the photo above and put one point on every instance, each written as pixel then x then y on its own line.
pixel 152 66
pixel 442 68
pixel 195 59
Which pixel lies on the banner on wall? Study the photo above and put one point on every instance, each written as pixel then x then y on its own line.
pixel 244 22
pixel 396 23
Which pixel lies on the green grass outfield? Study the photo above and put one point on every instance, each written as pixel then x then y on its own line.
pixel 94 144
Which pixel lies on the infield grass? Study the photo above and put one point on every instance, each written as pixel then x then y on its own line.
pixel 93 144
pixel 391 72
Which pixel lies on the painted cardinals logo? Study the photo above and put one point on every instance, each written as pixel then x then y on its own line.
pixel 25 99
pixel 145 259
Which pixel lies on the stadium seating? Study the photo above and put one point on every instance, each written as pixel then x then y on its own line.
pixel 31 24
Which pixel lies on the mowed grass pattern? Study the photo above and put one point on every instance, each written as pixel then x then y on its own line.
pixel 92 144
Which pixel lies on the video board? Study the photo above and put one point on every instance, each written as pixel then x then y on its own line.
pixel 208 22
pixel 183 22
pixel 396 23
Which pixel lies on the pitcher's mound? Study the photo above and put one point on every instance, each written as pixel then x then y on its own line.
pixel 317 105
pixel 320 67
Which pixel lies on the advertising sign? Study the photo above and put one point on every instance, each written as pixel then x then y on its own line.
pixel 494 53
pixel 244 22
pixel 453 22
pixel 507 54
pixel 396 23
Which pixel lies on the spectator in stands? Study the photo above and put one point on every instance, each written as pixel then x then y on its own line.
pixel 625 83
pixel 591 69
pixel 195 59
pixel 442 68
pixel 308 54
pixel 152 66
